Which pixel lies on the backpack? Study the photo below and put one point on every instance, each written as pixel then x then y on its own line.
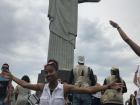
pixel 112 95
pixel 32 99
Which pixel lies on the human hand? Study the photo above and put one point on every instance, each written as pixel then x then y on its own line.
pixel 8 75
pixel 113 24
pixel 136 72
pixel 115 85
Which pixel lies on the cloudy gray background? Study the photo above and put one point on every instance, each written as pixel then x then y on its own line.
pixel 24 37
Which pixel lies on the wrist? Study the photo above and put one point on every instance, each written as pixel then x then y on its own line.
pixel 107 87
pixel 118 27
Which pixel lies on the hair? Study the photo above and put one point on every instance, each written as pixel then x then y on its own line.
pixel 135 92
pixel 26 78
pixel 53 63
pixel 6 65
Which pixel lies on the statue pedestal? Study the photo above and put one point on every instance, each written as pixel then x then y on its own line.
pixel 64 75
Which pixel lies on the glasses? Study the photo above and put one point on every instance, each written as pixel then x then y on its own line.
pixel 5 68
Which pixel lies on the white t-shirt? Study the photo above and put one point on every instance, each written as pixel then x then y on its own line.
pixel 97 95
pixel 56 98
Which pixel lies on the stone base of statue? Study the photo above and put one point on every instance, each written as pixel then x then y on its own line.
pixel 64 75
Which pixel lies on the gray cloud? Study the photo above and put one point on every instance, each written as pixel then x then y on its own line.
pixel 23 35
pixel 101 52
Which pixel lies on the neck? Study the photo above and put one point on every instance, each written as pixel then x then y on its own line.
pixel 53 85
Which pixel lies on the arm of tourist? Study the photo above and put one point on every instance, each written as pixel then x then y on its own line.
pixel 92 89
pixel 132 44
pixel 73 88
pixel 124 89
pixel 135 78
pixel 36 87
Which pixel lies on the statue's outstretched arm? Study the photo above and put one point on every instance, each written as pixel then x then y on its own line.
pixel 82 1
pixel 135 47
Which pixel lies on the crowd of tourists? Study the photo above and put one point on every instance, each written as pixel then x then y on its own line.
pixel 82 89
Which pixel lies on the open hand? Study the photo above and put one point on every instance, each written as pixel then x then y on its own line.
pixel 113 24
pixel 7 74
pixel 116 86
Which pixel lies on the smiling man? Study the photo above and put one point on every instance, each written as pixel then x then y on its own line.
pixel 5 86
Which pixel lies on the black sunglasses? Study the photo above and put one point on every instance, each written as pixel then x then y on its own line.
pixel 5 68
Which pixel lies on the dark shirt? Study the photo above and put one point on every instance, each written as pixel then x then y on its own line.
pixel 3 87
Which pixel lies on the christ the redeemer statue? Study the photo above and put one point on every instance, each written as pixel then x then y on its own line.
pixel 63 31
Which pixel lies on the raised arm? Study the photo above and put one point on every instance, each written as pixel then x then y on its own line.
pixel 131 43
pixel 36 87
pixel 135 77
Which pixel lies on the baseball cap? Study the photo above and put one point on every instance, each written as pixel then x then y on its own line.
pixel 81 59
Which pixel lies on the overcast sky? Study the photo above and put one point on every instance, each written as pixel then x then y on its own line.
pixel 24 37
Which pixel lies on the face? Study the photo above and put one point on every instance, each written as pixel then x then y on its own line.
pixel 5 68
pixel 50 73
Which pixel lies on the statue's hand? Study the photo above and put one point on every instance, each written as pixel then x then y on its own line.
pixel 114 24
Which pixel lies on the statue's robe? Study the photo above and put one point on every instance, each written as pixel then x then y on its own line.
pixel 63 31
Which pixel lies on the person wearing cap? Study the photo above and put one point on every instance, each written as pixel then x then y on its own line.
pixel 114 96
pixel 5 86
pixel 82 77
pixel 134 46
pixel 53 91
